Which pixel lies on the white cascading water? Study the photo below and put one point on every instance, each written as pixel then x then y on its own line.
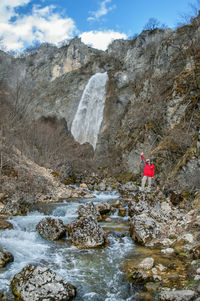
pixel 89 115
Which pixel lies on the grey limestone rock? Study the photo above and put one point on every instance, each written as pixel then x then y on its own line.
pixel 87 209
pixel 143 228
pixel 51 228
pixel 36 283
pixel 86 233
pixel 177 295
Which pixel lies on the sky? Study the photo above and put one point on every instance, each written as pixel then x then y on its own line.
pixel 96 22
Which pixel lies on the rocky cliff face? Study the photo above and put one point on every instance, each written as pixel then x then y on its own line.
pixel 152 99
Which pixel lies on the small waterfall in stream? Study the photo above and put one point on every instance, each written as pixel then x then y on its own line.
pixel 89 115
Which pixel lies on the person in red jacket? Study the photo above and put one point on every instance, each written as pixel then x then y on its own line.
pixel 148 174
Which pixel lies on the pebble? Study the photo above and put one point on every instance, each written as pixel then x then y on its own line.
pixel 168 251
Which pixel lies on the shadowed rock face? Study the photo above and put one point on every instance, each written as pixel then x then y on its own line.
pixel 36 283
pixel 51 229
pixel 86 233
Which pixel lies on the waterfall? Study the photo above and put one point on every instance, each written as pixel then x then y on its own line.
pixel 89 115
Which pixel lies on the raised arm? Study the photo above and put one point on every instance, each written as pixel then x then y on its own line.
pixel 143 158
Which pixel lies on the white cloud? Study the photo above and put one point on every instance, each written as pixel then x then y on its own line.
pixel 42 24
pixel 7 8
pixel 102 11
pixel 45 24
pixel 101 39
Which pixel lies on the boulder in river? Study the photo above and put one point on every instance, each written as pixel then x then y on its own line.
pixel 86 233
pixel 87 209
pixel 5 257
pixel 51 228
pixel 35 283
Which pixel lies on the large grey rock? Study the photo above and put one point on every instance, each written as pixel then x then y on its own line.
pixel 51 228
pixel 36 283
pixel 88 209
pixel 86 233
pixel 143 228
pixel 177 295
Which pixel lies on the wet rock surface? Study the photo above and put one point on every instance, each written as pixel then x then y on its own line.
pixel 142 271
pixel 5 225
pixel 86 233
pixel 5 258
pixel 51 228
pixel 35 283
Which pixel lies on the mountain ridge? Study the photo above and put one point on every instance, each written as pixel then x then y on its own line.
pixel 152 101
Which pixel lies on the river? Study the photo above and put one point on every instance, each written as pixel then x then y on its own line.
pixel 96 273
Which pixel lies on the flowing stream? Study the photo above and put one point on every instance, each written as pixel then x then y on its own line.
pixel 96 273
pixel 89 115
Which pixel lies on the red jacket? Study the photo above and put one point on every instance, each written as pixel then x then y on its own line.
pixel 149 170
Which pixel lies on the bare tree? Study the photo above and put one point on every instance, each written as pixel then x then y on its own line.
pixel 153 23
pixel 195 7
pixel 185 18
